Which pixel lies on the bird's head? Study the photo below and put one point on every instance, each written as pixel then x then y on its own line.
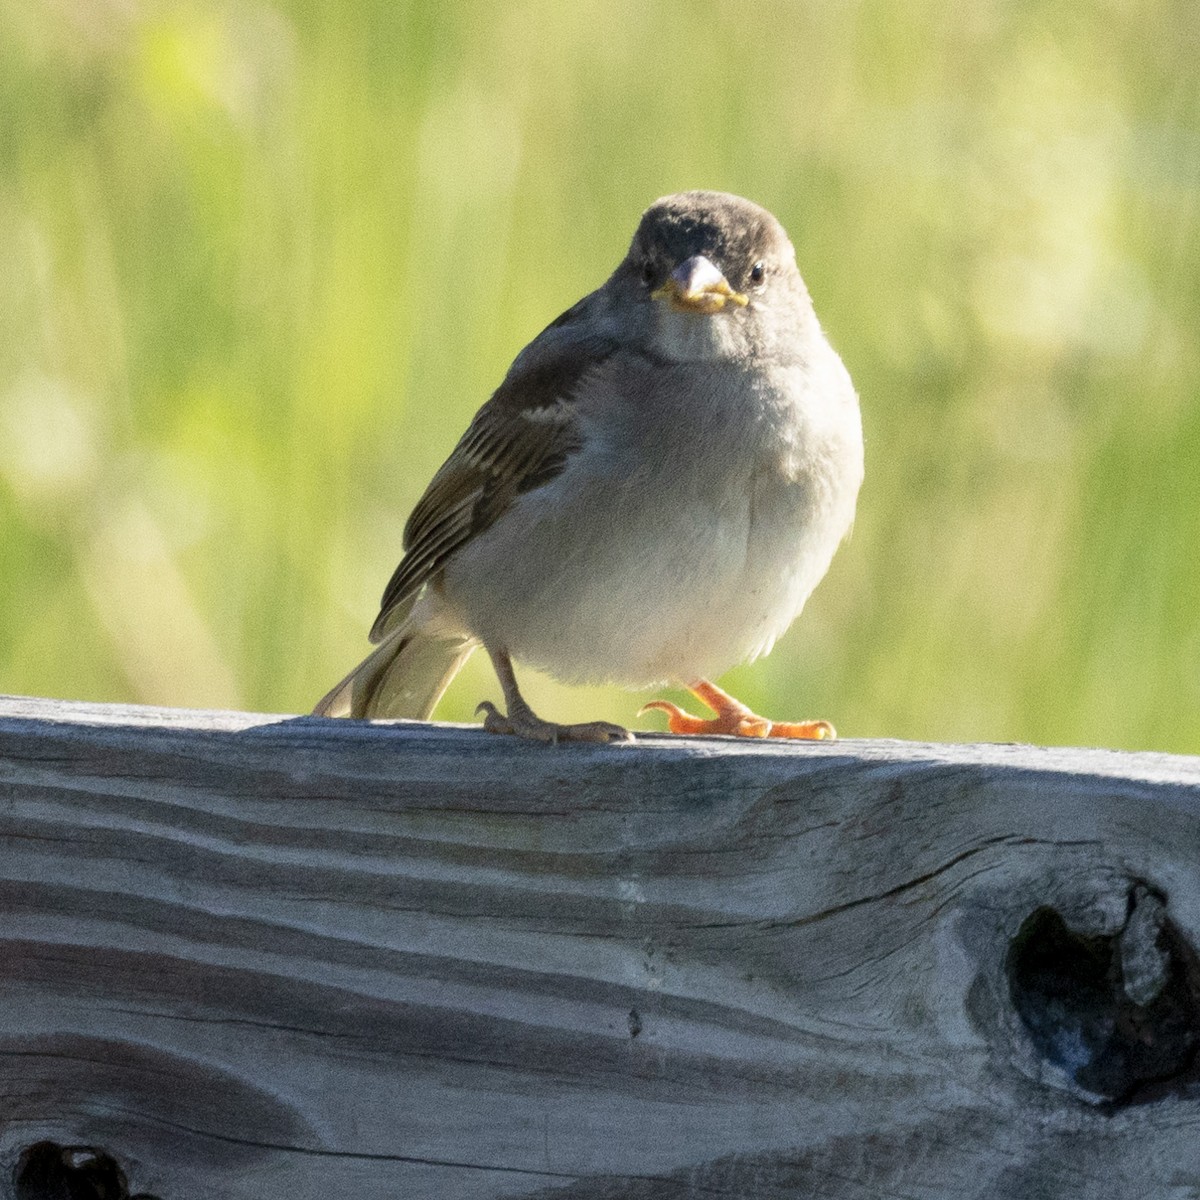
pixel 712 275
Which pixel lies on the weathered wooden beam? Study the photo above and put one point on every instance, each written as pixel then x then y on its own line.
pixel 260 957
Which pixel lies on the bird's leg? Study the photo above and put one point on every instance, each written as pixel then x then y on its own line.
pixel 522 721
pixel 734 717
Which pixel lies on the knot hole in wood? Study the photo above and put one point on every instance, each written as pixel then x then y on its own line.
pixel 1118 1012
pixel 48 1171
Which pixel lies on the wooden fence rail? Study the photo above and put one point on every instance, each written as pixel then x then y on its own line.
pixel 277 957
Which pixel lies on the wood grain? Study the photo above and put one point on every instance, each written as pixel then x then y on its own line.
pixel 266 956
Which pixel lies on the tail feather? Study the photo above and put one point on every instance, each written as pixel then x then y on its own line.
pixel 404 676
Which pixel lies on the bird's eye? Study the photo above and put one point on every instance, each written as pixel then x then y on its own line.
pixel 758 271
pixel 649 271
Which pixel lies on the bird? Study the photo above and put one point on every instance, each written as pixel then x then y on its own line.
pixel 648 498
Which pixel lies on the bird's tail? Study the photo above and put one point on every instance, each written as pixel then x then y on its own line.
pixel 404 676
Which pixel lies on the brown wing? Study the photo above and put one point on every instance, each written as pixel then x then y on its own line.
pixel 519 440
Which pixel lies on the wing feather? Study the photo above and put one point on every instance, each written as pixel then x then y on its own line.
pixel 521 439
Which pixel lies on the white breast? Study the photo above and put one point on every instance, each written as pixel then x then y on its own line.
pixel 684 538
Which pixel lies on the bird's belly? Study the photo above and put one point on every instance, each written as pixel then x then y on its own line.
pixel 597 580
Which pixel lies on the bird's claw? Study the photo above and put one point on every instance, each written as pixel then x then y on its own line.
pixel 745 724
pixel 735 718
pixel 531 727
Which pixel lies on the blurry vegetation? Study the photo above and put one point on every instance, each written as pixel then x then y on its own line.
pixel 260 262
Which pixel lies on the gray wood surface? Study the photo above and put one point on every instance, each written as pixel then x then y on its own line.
pixel 268 956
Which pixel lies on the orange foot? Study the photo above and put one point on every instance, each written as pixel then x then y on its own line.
pixel 734 717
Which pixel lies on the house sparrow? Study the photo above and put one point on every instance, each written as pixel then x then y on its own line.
pixel 650 495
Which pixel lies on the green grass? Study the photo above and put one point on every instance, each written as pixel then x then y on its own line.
pixel 259 263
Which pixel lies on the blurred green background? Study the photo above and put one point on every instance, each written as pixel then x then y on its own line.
pixel 260 262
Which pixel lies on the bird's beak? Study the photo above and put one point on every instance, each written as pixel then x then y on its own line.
pixel 697 286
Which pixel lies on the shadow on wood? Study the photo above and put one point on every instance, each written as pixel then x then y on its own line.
pixel 260 957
